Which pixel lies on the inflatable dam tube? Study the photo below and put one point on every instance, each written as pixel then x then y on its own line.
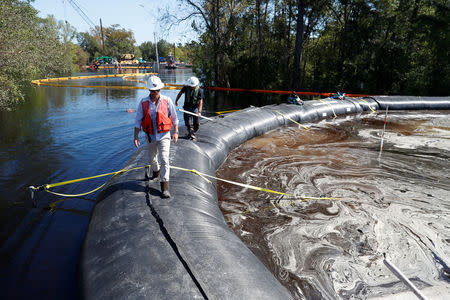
pixel 141 246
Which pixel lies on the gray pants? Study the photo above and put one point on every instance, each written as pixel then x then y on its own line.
pixel 159 157
pixel 192 126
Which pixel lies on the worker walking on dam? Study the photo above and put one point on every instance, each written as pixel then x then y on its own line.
pixel 155 115
pixel 193 102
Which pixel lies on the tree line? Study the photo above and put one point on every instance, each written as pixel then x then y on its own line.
pixel 31 47
pixel 354 46
pixel 35 48
pixel 118 41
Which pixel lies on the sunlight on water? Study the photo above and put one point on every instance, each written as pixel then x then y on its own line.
pixel 59 134
pixel 333 249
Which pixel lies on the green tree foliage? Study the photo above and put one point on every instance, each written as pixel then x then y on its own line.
pixel 356 46
pixel 79 57
pixel 148 51
pixel 72 52
pixel 89 44
pixel 180 54
pixel 31 48
pixel 118 41
pixel 137 52
pixel 164 48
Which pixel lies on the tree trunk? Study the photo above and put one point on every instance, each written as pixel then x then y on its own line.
pixel 216 42
pixel 258 28
pixel 298 45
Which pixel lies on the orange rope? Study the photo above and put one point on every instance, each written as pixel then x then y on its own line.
pixel 175 86
pixel 216 88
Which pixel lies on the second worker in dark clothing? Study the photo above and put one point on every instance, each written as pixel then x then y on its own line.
pixel 193 102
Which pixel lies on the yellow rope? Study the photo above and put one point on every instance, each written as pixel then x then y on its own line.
pixel 46 187
pixel 226 111
pixel 75 195
pixel 332 109
pixel 306 128
pixel 203 175
pixel 362 99
pixel 174 84
pixel 47 80
pixel 248 185
pixel 192 171
pixel 122 87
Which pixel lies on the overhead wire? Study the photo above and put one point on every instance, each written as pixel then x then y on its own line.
pixel 82 14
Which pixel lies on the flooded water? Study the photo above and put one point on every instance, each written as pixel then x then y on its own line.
pixel 59 134
pixel 398 205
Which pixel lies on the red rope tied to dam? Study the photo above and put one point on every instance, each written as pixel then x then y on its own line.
pixel 217 88
pixel 175 86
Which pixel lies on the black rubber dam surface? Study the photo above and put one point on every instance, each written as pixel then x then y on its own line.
pixel 141 246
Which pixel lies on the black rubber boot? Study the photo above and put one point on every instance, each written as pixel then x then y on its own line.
pixel 165 189
pixel 193 137
pixel 155 174
pixel 147 171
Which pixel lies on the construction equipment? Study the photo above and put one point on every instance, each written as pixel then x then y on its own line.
pixel 101 60
pixel 128 59
pixel 171 62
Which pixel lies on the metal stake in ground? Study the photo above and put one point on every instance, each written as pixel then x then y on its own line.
pixel 403 278
pixel 382 135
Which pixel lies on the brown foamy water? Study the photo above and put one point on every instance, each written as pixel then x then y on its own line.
pixel 333 249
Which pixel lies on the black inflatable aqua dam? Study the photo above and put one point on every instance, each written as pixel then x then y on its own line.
pixel 141 246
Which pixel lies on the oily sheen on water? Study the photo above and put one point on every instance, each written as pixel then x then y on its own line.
pixel 396 203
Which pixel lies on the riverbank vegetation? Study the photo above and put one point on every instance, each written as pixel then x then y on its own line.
pixel 119 41
pixel 354 46
pixel 35 48
pixel 31 48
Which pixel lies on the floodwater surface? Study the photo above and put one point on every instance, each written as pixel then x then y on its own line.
pixel 60 134
pixel 397 204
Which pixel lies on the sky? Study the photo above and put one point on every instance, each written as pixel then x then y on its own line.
pixel 139 16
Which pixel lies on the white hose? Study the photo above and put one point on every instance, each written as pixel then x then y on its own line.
pixel 194 114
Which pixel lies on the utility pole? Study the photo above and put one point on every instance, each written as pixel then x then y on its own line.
pixel 157 55
pixel 103 39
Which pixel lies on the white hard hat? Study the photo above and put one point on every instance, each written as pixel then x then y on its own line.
pixel 154 83
pixel 193 81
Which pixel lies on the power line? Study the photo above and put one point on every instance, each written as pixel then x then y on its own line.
pixel 81 13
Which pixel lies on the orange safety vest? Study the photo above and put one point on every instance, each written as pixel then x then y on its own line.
pixel 163 122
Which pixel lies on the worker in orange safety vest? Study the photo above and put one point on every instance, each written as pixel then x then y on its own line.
pixel 155 115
